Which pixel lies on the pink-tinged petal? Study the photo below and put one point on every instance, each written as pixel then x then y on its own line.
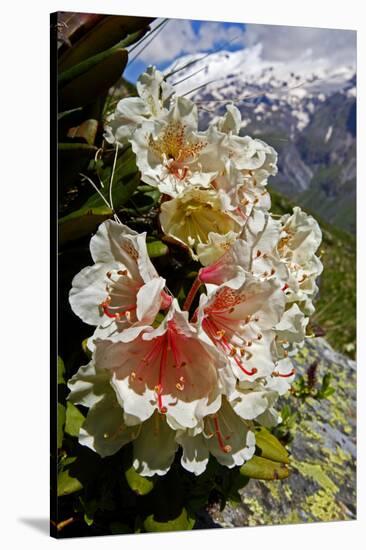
pixel 169 369
pixel 107 293
pixel 240 324
pixel 230 267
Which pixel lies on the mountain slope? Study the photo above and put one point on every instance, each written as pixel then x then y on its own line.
pixel 306 111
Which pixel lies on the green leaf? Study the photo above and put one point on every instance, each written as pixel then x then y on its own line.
pixel 74 420
pixel 60 371
pixel 183 522
pixel 82 222
pixel 270 446
pixel 139 484
pixel 119 528
pixel 328 392
pixel 88 520
pixel 66 483
pixel 82 88
pixel 156 249
pixel 106 34
pixel 262 468
pixel 77 71
pixel 72 159
pixel 61 415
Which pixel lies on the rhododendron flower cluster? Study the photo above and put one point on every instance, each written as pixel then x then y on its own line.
pixel 198 373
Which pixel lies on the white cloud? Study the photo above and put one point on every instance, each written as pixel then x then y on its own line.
pixel 292 44
pixel 178 38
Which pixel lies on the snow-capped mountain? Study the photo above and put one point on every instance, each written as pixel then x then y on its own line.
pixel 304 108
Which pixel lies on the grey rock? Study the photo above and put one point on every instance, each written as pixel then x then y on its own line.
pixel 322 485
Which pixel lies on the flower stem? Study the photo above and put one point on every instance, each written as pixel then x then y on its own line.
pixel 65 523
pixel 192 293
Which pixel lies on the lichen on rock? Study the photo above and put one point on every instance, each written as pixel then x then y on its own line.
pixel 322 486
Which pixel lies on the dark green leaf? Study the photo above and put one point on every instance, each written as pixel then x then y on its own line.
pixel 156 249
pixel 82 222
pixel 270 446
pixel 74 420
pixel 66 483
pixel 86 86
pixel 139 484
pixel 60 371
pixel 262 468
pixel 182 523
pixel 88 65
pixel 107 33
pixel 61 415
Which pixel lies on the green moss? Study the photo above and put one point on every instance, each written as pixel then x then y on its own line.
pixel 316 473
pixel 324 507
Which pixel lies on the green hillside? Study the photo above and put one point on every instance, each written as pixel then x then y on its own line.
pixel 336 303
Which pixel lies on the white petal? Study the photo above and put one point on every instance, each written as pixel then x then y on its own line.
pixel 149 300
pixel 88 385
pixel 140 405
pixel 88 291
pixel 104 429
pixel 249 401
pixel 234 434
pixel 195 453
pixel 155 448
pixel 105 244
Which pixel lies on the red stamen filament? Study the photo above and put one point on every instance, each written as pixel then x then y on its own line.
pixel 152 354
pixel 212 330
pixel 280 375
pixel 163 362
pixel 192 293
pixel 223 447
pixel 123 310
pixel 173 347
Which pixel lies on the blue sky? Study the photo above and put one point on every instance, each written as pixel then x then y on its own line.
pixel 181 37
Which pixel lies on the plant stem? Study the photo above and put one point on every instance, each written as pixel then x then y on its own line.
pixel 192 293
pixel 64 523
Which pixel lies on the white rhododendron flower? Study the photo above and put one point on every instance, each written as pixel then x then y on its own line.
pixel 245 152
pixel 122 287
pixel 104 429
pixel 172 369
pixel 215 247
pixel 153 103
pixel 168 152
pixel 300 239
pixel 177 371
pixel 225 435
pixel 240 322
pixel 193 215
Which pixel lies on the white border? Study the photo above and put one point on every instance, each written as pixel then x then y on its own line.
pixel 24 196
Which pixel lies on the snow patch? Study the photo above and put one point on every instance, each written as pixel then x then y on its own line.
pixel 328 134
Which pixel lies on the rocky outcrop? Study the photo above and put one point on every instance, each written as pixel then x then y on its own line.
pixel 322 486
